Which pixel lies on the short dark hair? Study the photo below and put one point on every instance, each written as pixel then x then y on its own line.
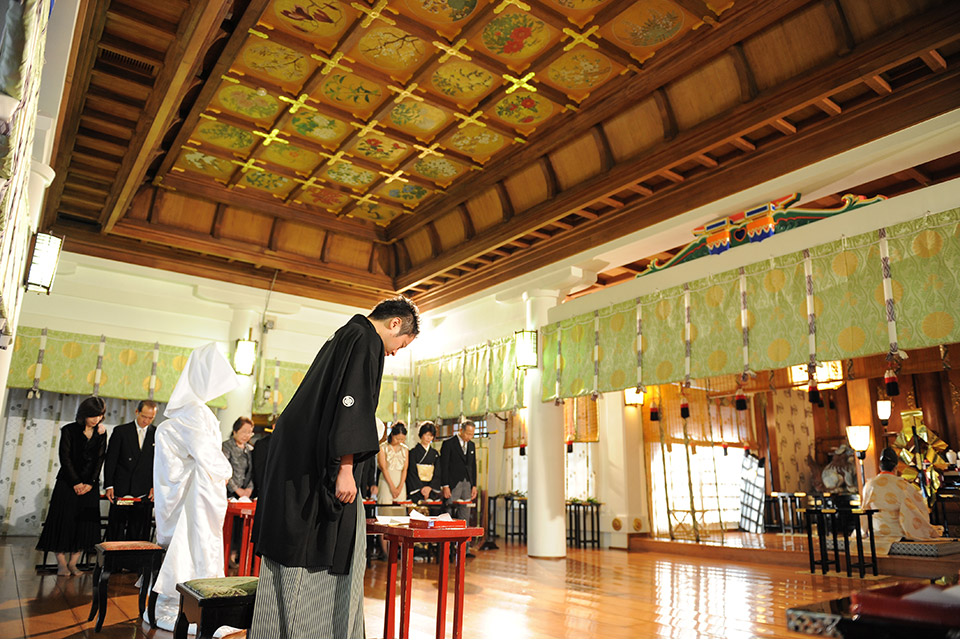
pixel 397 429
pixel 888 459
pixel 239 422
pixel 399 307
pixel 467 423
pixel 146 404
pixel 428 427
pixel 92 407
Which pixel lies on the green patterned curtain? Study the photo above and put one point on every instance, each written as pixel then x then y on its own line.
pixel 777 312
pixel 70 363
pixel 618 347
pixel 548 358
pixel 848 294
pixel 716 338
pixel 289 375
pixel 475 380
pixel 663 336
pixel 451 371
pixel 576 356
pixel 506 381
pixel 925 267
pixel 426 377
pixel 394 399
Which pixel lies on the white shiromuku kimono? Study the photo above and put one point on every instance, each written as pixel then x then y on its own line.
pixel 189 476
pixel 902 511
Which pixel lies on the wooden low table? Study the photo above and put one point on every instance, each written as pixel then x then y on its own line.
pixel 245 511
pixel 405 537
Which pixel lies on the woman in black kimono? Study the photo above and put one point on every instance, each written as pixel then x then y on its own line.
pixel 423 480
pixel 73 519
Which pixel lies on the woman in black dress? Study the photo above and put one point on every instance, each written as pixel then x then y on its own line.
pixel 423 479
pixel 73 519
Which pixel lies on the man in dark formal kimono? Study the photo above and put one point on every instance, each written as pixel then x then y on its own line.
pixel 309 526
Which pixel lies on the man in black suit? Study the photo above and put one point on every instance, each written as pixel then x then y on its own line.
pixel 458 471
pixel 128 471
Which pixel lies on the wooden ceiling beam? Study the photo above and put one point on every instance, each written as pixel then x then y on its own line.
pixel 638 188
pixel 829 107
pixel 145 55
pixel 743 144
pixel 784 127
pixel 841 27
pixel 748 82
pixel 878 84
pixel 202 243
pixel 934 61
pixel 700 9
pixel 506 205
pixel 908 106
pixel 667 118
pixel 672 61
pixel 271 206
pixel 183 57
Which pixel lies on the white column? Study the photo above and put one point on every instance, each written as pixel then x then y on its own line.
pixel 546 520
pixel 240 400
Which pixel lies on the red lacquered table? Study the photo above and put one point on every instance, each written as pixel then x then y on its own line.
pixel 245 511
pixel 405 537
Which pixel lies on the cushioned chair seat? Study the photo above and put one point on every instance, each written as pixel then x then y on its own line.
pixel 223 587
pixel 128 545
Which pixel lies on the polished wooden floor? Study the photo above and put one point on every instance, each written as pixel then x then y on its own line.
pixel 590 594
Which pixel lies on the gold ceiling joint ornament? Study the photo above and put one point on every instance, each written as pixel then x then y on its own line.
pixel 311 182
pixel 229 79
pixel 365 199
pixel 520 83
pixel 471 119
pixel 259 34
pixel 299 103
pixel 519 4
pixel 329 64
pixel 403 94
pixel 520 140
pixel 451 51
pixel 335 158
pixel 581 38
pixel 375 13
pixel 207 116
pixel 428 151
pixel 269 138
pixel 395 176
pixel 367 129
pixel 251 163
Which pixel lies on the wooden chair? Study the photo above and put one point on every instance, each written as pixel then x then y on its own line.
pixel 137 555
pixel 214 602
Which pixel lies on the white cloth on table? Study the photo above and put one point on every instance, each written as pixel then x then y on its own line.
pixel 189 477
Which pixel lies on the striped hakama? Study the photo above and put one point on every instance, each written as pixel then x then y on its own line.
pixel 299 602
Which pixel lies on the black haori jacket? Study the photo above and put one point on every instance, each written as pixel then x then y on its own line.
pixel 299 521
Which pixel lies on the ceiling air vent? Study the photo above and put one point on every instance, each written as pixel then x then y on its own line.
pixel 126 62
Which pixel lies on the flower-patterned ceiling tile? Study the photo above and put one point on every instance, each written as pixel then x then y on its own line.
pixel 379 213
pixel 523 110
pixel 320 22
pixel 291 156
pixel 515 37
pixel 442 171
pixel 647 25
pixel 224 135
pixel 580 71
pixel 447 17
pixel 418 119
pixel 391 50
pixel 329 199
pixel 349 175
pixel 477 142
pixel 462 81
pixel 274 63
pixel 319 127
pixel 267 181
pixel 381 149
pixel 208 165
pixel 408 194
pixel 253 104
pixel 579 12
pixel 352 93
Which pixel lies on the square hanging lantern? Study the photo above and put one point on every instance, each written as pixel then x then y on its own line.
pixel 43 262
pixel 829 375
pixel 632 397
pixel 245 356
pixel 525 346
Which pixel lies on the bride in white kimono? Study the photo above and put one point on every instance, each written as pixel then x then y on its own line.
pixel 189 476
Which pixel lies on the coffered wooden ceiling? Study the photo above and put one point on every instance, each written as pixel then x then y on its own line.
pixel 346 150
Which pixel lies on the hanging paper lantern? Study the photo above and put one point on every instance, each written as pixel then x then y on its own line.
pixel 740 402
pixel 684 408
pixel 813 394
pixel 523 449
pixel 891 383
pixel 725 452
pixel 654 413
pixel 569 446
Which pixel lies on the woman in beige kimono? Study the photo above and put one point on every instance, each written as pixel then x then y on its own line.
pixel 903 514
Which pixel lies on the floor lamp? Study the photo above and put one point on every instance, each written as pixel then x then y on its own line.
pixel 858 436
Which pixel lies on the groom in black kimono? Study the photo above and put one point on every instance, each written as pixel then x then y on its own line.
pixel 309 527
